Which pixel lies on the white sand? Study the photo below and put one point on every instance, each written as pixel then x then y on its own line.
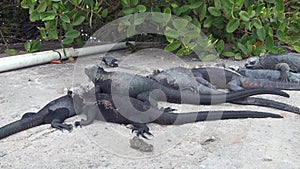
pixel 247 143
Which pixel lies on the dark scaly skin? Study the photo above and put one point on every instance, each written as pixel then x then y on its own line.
pixel 53 113
pixel 251 83
pixel 128 110
pixel 271 62
pixel 286 63
pixel 228 79
pixel 273 75
pixel 219 74
pixel 135 85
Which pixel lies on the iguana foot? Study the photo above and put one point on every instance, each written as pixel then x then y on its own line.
pixel 62 126
pixel 141 129
pixel 77 124
pixel 284 69
pixel 168 109
pixel 110 61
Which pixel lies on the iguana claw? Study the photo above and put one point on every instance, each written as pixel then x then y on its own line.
pixel 77 123
pixel 141 129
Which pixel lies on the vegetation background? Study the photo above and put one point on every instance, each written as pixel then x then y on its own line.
pixel 236 28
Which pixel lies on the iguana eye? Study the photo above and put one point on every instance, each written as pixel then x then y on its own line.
pixel 252 61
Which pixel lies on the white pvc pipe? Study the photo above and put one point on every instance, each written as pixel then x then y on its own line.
pixel 31 59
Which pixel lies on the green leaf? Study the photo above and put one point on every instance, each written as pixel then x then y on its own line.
pixel 90 3
pixel 28 3
pixel 138 19
pixel 179 23
pixel 72 34
pixel 78 19
pixel 125 3
pixel 130 31
pixel 208 22
pixel 34 16
pixel 251 13
pixel 167 10
pixel 232 25
pixel 209 58
pixel 43 32
pixel 242 48
pixel 227 5
pixel 269 42
pixel 158 17
pixel 228 54
pixel 261 34
pixel 174 5
pixel 125 20
pixel 297 48
pixel 134 2
pixel 183 9
pixel 184 51
pixel 257 23
pixel 48 16
pixel 202 12
pixel 11 51
pixel 171 33
pixel 279 5
pixel 65 18
pixel 172 46
pixel 104 13
pixel 214 11
pixel 27 46
pixel 195 5
pixel 141 8
pixel 238 56
pixel 42 7
pixel 196 23
pixel 128 11
pixel 244 15
pixel 218 4
pixel 67 41
pixel 35 46
pixel 186 40
pixel 259 50
pixel 167 14
pixel 220 46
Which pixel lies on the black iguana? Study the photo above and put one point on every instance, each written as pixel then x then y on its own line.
pixel 192 79
pixel 283 62
pixel 229 79
pixel 273 75
pixel 138 86
pixel 128 110
pixel 54 113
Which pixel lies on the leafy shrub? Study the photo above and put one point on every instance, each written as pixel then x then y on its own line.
pixel 62 19
pixel 236 28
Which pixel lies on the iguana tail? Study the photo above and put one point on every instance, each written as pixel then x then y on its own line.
pixel 169 118
pixel 208 99
pixel 268 84
pixel 20 125
pixel 268 103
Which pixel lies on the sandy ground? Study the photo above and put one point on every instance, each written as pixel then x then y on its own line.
pixel 247 143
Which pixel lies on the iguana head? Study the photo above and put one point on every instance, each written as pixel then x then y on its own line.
pixel 253 63
pixel 95 72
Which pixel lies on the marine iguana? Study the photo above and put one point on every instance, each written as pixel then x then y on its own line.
pixel 283 62
pixel 128 110
pixel 185 79
pixel 138 86
pixel 54 113
pixel 229 79
pixel 273 75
